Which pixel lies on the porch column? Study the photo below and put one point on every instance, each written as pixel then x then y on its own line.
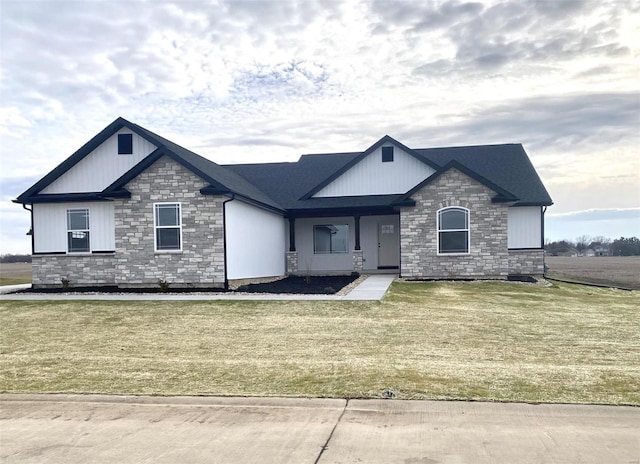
pixel 292 234
pixel 292 254
pixel 358 258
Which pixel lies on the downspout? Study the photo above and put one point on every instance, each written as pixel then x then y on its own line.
pixel 224 239
pixel 33 243
pixel 544 252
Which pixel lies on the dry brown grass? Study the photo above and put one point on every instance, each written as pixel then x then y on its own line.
pixel 623 271
pixel 15 273
pixel 482 341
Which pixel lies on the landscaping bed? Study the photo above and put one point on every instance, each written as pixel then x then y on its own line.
pixel 317 285
pixel 323 285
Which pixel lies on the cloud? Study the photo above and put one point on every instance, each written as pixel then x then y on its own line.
pixel 599 215
pixel 611 223
pixel 243 81
pixel 532 33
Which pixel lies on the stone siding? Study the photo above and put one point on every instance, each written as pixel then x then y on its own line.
pixel 81 270
pixel 526 262
pixel 358 260
pixel 488 255
pixel 292 262
pixel 201 261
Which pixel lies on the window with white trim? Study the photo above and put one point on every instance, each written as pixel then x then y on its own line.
pixel 78 230
pixel 168 226
pixel 330 238
pixel 453 231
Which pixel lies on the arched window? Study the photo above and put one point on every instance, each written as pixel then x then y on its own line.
pixel 453 230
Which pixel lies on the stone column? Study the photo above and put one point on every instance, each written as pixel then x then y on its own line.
pixel 358 260
pixel 292 262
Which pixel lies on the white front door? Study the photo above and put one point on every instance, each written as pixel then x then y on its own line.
pixel 388 245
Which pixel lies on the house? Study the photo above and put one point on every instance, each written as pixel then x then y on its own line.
pixel 130 208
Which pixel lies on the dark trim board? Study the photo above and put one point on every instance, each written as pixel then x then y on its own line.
pixel 65 197
pixel 388 267
pixel 526 249
pixel 342 212
pixel 39 253
pixel 502 197
pixel 103 252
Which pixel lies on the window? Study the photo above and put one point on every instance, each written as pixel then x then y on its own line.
pixel 125 144
pixel 78 231
pixel 168 227
pixel 330 238
pixel 453 230
pixel 387 154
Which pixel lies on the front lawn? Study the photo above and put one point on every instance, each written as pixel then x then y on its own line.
pixel 482 341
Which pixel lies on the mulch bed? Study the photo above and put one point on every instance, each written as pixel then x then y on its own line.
pixel 322 285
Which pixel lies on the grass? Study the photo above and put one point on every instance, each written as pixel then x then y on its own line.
pixel 478 341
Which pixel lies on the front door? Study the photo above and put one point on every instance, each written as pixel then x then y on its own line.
pixel 388 245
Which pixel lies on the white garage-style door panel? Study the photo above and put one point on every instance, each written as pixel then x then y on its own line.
pixel 102 166
pixel 50 226
pixel 373 176
pixel 525 227
pixel 255 242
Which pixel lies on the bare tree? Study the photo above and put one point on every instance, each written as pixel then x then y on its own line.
pixel 582 242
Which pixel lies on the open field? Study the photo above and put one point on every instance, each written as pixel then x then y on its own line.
pixel 483 341
pixel 15 273
pixel 623 271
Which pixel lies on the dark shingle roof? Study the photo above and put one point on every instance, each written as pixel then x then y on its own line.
pixel 221 179
pixel 214 172
pixel 287 186
pixel 506 167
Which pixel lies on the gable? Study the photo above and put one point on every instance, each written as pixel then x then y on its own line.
pixel 501 195
pixel 373 176
pixel 102 166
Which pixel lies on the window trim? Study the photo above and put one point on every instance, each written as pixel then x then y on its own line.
pixel 87 230
pixel 129 146
pixel 467 230
pixel 330 252
pixel 156 227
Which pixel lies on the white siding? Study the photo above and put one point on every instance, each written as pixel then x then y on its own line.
pixel 255 242
pixel 525 227
pixel 373 177
pixel 310 262
pixel 50 226
pixel 102 166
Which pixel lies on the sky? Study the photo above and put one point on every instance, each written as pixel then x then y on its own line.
pixel 263 81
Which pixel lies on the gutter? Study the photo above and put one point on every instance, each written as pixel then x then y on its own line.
pixel 224 238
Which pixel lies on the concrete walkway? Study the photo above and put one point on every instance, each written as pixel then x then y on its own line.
pixel 372 288
pixel 124 429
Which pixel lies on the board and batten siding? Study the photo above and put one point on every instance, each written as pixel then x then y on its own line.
pixel 255 241
pixel 310 262
pixel 50 226
pixel 371 176
pixel 102 166
pixel 524 225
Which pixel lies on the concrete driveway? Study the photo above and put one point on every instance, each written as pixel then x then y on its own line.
pixel 110 429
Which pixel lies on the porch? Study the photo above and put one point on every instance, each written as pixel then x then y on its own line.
pixel 344 244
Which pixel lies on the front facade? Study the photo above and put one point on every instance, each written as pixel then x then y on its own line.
pixel 132 209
